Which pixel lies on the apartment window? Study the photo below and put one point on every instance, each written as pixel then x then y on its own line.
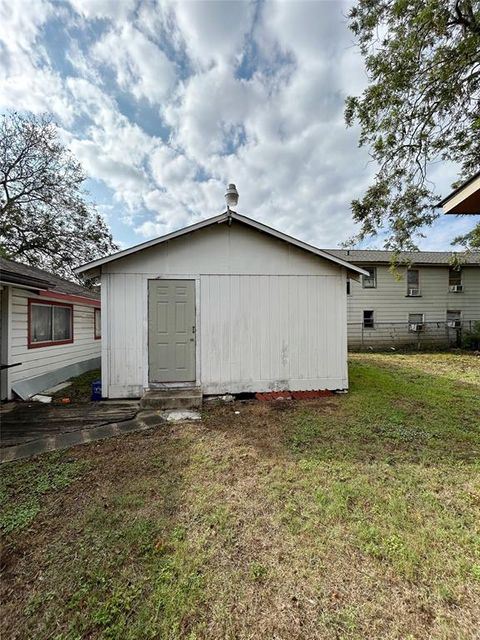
pixel 455 279
pixel 49 323
pixel 415 321
pixel 368 321
pixel 349 291
pixel 98 324
pixel 413 282
pixel 454 319
pixel 370 281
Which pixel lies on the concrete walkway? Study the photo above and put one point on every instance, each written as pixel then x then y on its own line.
pixel 144 420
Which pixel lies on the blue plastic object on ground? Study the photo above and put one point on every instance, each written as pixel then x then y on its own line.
pixel 96 390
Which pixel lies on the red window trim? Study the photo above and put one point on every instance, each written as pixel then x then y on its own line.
pixel 93 302
pixel 49 343
pixel 95 337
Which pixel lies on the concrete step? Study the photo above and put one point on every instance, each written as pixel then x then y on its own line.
pixel 184 398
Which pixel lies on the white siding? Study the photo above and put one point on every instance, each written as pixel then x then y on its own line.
pixel 40 360
pixel 261 333
pixel 269 315
pixel 224 249
pixel 391 304
pixel 124 335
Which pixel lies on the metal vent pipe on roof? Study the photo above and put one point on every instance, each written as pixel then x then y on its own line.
pixel 231 196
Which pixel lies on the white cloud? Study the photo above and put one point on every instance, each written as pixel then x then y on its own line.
pixel 208 107
pixel 116 174
pixel 239 91
pixel 21 24
pixel 140 66
pixel 27 81
pixel 213 32
pixel 170 168
pixel 111 9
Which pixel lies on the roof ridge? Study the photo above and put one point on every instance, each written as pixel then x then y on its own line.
pixel 223 217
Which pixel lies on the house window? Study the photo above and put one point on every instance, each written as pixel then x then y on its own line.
pixel 455 279
pixel 415 322
pixel 370 281
pixel 98 324
pixel 413 282
pixel 349 291
pixel 50 323
pixel 368 321
pixel 454 319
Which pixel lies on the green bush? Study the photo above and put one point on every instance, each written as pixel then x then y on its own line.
pixel 471 339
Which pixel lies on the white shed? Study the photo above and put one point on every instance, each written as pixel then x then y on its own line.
pixel 228 305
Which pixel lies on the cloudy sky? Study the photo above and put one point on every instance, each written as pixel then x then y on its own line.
pixel 164 103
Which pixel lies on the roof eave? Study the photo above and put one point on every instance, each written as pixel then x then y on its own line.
pixel 17 279
pixel 451 203
pixel 223 217
pixel 150 243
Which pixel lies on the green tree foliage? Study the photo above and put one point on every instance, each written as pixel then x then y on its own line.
pixel 422 105
pixel 45 218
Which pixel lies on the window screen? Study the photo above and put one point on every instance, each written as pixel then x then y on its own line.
pixel 61 323
pixel 453 315
pixel 412 278
pixel 454 277
pixel 370 281
pixel 368 321
pixel 40 323
pixel 98 323
pixel 414 318
pixel 50 323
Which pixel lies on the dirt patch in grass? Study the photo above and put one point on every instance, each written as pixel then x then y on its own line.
pixel 349 517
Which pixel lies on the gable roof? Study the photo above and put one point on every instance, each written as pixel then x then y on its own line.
pixel 465 199
pixel 369 256
pixel 12 272
pixel 223 217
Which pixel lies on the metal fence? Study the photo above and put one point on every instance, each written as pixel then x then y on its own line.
pixel 405 335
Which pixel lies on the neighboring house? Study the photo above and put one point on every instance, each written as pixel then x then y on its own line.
pixel 429 301
pixel 229 305
pixel 50 329
pixel 465 200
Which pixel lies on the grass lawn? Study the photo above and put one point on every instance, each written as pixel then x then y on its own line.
pixel 353 517
pixel 81 388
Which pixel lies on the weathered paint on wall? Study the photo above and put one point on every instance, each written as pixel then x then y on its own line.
pixel 269 315
pixel 274 333
pixel 224 249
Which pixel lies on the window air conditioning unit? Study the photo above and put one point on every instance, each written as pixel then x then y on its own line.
pixel 456 288
pixel 414 292
pixel 454 324
pixel 416 326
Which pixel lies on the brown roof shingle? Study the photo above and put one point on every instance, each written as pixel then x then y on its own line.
pixel 57 284
pixel 365 256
